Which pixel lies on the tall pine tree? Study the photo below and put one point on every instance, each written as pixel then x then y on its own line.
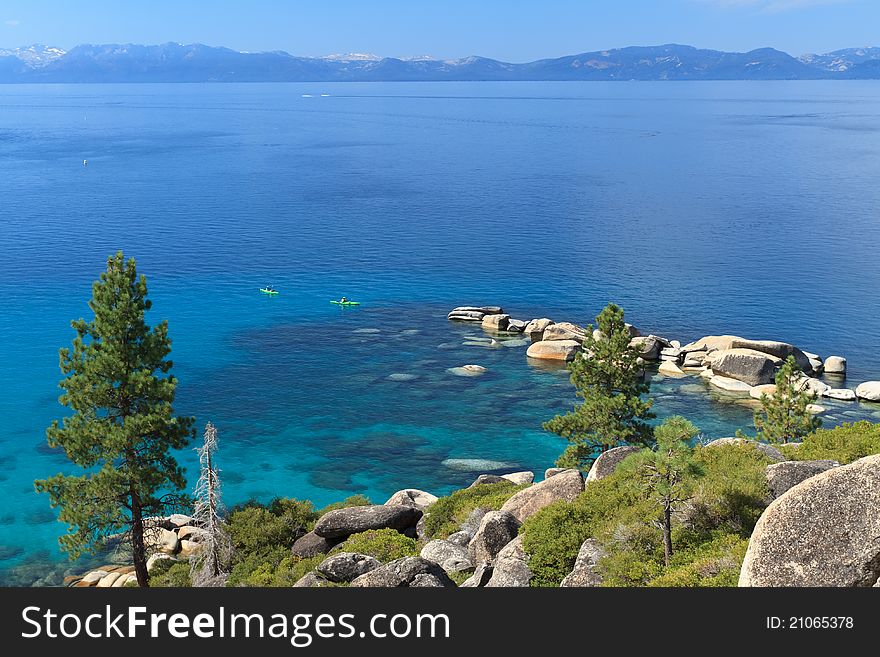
pixel 119 387
pixel 783 417
pixel 610 381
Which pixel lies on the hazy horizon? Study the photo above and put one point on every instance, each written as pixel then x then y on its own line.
pixel 511 31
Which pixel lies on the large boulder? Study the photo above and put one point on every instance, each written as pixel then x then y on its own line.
pixel 563 350
pixel 835 365
pixel 787 474
pixel 403 572
pixel 565 331
pixel 584 573
pixel 452 557
pixel 413 497
pixel 608 461
pixel 869 391
pixel 341 523
pixel 780 350
pixel 746 365
pixel 535 328
pixel 345 566
pixel 511 567
pixel 767 450
pixel 496 530
pixel 311 545
pixel 823 532
pixel 563 486
pixel 498 322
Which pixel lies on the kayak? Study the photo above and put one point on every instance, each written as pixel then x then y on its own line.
pixel 267 291
pixel 346 303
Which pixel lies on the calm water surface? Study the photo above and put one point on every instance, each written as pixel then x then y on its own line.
pixel 747 208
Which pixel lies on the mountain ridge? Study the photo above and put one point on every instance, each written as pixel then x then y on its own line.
pixel 174 62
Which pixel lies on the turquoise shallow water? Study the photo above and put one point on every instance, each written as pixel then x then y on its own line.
pixel 746 208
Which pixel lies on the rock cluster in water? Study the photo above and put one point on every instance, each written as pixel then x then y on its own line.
pixel 737 366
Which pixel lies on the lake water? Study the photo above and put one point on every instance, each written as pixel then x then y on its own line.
pixel 701 208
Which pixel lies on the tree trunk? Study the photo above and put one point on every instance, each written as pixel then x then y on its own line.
pixel 138 548
pixel 667 533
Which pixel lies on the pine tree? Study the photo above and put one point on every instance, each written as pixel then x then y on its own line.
pixel 667 473
pixel 784 417
pixel 610 381
pixel 209 568
pixel 119 387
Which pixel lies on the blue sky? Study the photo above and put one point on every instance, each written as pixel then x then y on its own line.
pixel 511 30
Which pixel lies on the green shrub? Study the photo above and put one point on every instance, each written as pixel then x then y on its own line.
pixel 353 500
pixel 169 573
pixel 709 536
pixel 845 444
pixel 554 534
pixel 732 494
pixel 382 544
pixel 281 572
pixel 445 516
pixel 714 563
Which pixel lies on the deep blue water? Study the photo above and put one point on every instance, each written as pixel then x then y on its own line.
pixel 747 208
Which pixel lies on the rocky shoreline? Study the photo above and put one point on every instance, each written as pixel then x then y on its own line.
pixel 486 549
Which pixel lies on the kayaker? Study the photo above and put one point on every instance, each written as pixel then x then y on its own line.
pixel 343 300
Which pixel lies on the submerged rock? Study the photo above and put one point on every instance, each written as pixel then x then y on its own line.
pixel 824 531
pixel 400 376
pixel 467 370
pixel 476 465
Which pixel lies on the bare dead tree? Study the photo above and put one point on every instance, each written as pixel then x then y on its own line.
pixel 210 566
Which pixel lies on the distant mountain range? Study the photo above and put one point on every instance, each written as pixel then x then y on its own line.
pixel 172 62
